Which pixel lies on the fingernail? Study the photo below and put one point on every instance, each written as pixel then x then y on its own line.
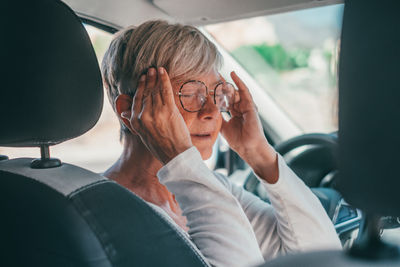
pixel 143 78
pixel 161 70
pixel 151 72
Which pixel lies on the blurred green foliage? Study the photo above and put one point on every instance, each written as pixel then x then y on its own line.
pixel 278 57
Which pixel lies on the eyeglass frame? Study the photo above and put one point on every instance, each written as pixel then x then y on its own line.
pixel 207 93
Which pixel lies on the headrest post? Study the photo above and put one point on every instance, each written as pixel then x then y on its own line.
pixel 45 161
pixel 45 152
pixel 369 244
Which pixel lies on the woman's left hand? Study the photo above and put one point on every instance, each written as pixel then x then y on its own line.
pixel 245 135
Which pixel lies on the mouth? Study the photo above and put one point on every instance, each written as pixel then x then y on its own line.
pixel 201 136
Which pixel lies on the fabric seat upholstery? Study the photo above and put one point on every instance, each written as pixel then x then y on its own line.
pixel 369 115
pixel 66 215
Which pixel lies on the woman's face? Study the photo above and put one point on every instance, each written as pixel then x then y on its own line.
pixel 205 124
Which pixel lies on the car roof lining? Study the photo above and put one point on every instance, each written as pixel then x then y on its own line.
pixel 134 12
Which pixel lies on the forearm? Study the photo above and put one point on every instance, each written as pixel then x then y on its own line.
pixel 264 161
pixel 302 221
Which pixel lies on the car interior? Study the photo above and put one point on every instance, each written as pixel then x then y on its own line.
pixel 61 214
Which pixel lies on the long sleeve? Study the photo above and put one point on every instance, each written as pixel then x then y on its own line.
pixel 295 220
pixel 232 227
pixel 217 223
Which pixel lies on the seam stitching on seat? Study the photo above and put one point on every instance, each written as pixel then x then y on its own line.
pixel 177 231
pixel 80 189
pixel 81 208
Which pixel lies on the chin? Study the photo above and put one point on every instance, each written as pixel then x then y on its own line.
pixel 206 155
pixel 205 152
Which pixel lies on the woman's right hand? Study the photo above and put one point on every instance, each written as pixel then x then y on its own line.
pixel 245 134
pixel 155 117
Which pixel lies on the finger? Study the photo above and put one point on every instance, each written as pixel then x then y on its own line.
pixel 138 98
pixel 147 105
pixel 236 97
pixel 156 95
pixel 234 111
pixel 151 79
pixel 167 92
pixel 244 92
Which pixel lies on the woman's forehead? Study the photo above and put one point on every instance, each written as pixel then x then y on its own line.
pixel 211 78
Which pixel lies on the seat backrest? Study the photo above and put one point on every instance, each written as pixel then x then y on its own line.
pixel 369 126
pixel 59 214
pixel 68 216
pixel 369 111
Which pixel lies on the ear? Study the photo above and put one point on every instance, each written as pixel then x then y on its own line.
pixel 123 107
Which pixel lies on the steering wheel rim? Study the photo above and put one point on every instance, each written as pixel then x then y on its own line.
pixel 329 140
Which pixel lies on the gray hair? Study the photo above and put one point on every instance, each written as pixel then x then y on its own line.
pixel 181 49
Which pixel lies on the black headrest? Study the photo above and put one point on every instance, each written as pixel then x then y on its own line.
pixel 51 88
pixel 369 112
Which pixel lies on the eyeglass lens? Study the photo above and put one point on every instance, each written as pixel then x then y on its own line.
pixel 193 96
pixel 224 96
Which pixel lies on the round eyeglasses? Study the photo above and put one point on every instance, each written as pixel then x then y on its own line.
pixel 193 95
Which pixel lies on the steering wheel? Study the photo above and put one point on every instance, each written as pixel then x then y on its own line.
pixel 316 162
pixel 316 165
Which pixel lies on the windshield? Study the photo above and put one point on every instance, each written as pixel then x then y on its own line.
pixel 293 57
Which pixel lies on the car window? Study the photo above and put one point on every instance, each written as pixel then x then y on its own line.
pixel 293 57
pixel 97 149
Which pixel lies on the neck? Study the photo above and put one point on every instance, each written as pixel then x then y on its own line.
pixel 136 169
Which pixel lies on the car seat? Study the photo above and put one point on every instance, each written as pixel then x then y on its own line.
pixel 55 213
pixel 369 143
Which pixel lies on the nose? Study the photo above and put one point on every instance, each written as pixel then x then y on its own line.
pixel 209 110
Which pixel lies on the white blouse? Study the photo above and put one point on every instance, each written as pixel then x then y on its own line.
pixel 232 227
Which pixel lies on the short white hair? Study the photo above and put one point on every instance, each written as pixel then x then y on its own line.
pixel 181 49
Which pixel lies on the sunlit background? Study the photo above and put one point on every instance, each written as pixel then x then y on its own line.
pixel 294 57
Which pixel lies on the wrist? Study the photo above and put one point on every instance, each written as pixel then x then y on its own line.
pixel 263 160
pixel 183 147
pixel 178 149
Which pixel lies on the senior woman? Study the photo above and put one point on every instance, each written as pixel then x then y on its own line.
pixel 163 82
